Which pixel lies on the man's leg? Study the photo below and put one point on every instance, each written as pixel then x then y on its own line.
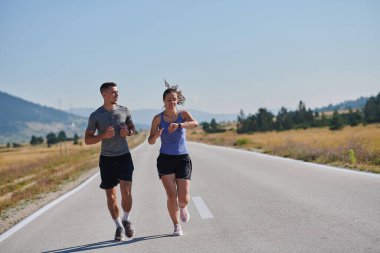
pixel 114 211
pixel 126 195
pixel 126 203
pixel 112 202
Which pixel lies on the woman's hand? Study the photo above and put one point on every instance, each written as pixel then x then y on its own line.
pixel 159 132
pixel 173 127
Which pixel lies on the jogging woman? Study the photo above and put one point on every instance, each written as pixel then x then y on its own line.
pixel 173 163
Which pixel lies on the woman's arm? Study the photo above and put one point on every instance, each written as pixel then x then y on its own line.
pixel 155 131
pixel 189 123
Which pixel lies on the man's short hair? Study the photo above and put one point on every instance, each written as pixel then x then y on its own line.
pixel 106 86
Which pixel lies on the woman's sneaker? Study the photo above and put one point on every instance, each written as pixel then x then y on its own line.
pixel 177 230
pixel 129 231
pixel 184 214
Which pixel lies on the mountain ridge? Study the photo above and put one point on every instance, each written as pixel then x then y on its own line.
pixel 353 104
pixel 20 119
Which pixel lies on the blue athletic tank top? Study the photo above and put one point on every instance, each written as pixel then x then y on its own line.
pixel 173 143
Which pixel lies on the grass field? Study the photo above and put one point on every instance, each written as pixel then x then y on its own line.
pixel 28 172
pixel 353 147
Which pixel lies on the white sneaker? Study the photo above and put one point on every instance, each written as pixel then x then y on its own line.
pixel 184 214
pixel 177 230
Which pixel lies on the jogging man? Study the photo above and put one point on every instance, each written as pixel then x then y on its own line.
pixel 110 124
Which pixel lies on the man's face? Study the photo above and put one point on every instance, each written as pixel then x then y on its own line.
pixel 111 94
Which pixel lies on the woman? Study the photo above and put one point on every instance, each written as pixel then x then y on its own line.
pixel 173 163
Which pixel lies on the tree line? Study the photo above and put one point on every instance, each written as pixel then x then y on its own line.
pixel 301 118
pixel 52 138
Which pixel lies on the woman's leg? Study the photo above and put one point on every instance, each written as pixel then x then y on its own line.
pixel 183 189
pixel 169 183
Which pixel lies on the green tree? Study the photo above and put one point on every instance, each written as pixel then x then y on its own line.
pixel 372 109
pixel 36 140
pixel 284 120
pixel 62 136
pixel 212 127
pixel 324 120
pixel 51 139
pixel 354 118
pixel 205 126
pixel 16 145
pixel 336 122
pixel 303 118
pixel 75 139
pixel 241 122
pixel 264 120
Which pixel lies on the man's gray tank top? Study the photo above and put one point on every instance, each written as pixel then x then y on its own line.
pixel 101 119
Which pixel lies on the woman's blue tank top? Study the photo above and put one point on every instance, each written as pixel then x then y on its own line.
pixel 173 143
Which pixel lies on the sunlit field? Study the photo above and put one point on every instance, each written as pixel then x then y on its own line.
pixel 352 147
pixel 28 172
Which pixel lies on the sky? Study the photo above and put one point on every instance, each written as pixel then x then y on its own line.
pixel 224 55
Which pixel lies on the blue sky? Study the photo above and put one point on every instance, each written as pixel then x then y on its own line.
pixel 224 55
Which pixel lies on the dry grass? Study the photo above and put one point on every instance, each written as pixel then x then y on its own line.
pixel 316 145
pixel 28 172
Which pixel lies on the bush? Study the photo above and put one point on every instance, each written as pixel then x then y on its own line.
pixel 242 141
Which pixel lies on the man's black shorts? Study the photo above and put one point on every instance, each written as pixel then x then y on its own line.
pixel 180 165
pixel 115 168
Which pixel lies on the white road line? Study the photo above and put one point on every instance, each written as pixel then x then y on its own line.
pixel 202 208
pixel 30 218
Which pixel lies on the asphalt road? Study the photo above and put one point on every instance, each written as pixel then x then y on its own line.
pixel 241 202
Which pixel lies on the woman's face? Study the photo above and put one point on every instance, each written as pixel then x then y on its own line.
pixel 171 100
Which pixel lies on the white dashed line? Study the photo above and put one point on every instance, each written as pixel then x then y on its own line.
pixel 202 208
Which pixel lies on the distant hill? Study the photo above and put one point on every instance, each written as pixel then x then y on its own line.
pixel 353 104
pixel 143 117
pixel 20 119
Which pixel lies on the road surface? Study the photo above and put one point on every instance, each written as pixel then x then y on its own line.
pixel 241 202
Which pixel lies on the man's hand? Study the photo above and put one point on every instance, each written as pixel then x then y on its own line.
pixel 124 132
pixel 109 133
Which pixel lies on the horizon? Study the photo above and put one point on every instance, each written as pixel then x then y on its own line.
pixel 225 56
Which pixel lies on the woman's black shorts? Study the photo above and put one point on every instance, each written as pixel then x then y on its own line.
pixel 115 168
pixel 180 165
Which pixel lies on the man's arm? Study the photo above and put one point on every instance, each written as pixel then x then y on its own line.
pixel 91 138
pixel 131 128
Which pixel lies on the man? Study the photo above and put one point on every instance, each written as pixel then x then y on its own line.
pixel 111 124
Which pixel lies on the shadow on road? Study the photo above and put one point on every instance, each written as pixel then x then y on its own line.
pixel 106 244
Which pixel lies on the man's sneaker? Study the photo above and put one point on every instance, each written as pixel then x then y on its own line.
pixel 129 231
pixel 184 214
pixel 177 230
pixel 119 234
